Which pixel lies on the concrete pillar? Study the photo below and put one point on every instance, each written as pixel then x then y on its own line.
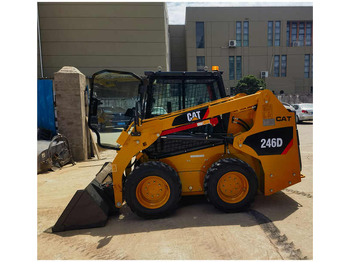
pixel 69 86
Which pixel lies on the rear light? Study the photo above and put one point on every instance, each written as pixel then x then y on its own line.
pixel 304 111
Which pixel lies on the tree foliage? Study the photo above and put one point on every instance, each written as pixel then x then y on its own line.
pixel 249 85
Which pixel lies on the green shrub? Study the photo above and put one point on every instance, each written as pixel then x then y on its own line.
pixel 249 85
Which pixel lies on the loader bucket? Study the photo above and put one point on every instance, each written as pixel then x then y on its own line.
pixel 89 207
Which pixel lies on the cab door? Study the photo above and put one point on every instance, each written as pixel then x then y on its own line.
pixel 113 96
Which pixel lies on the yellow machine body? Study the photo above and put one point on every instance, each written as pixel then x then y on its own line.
pixel 261 111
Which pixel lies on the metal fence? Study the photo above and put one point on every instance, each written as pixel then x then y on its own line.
pixel 296 98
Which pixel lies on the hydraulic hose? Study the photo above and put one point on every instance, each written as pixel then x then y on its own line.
pixel 241 123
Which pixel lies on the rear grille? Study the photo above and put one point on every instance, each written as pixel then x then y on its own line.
pixel 166 147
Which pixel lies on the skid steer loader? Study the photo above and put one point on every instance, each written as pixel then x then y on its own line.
pixel 184 136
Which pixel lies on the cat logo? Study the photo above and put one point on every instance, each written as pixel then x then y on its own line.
pixel 283 118
pixel 192 116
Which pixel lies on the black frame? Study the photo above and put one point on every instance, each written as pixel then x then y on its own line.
pixel 92 98
pixel 180 76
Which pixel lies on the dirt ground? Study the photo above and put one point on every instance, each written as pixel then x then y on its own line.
pixel 276 227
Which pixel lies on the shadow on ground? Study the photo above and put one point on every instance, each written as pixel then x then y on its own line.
pixel 193 211
pixel 306 123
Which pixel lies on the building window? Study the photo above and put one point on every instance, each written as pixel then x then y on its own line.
pixel 200 34
pixel 280 66
pixel 299 33
pixel 312 65
pixel 269 33
pixel 294 33
pixel 200 63
pixel 238 67
pixel 245 33
pixel 288 34
pixel 231 67
pixel 277 33
pixel 270 29
pixel 239 33
pixel 308 40
pixel 283 66
pixel 276 66
pixel 308 66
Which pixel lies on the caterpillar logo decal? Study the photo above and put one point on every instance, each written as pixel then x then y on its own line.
pixel 271 142
pixel 193 116
pixel 283 118
pixel 196 115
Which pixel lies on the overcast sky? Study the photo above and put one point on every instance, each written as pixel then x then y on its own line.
pixel 177 10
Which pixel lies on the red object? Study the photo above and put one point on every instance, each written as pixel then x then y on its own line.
pixel 206 114
pixel 213 122
pixel 288 147
pixel 304 111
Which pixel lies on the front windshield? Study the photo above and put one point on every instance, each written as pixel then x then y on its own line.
pixel 169 94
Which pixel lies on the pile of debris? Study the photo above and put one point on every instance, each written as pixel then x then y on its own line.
pixel 53 152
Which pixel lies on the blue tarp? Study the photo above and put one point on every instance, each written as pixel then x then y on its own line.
pixel 46 111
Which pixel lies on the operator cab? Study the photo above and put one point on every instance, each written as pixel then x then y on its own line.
pixel 117 97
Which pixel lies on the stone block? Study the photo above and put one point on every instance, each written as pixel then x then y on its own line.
pixel 69 86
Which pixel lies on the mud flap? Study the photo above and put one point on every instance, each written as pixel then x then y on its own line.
pixel 89 207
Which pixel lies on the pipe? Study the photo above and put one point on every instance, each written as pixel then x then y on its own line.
pixel 40 52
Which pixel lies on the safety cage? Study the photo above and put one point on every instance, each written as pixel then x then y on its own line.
pixel 116 97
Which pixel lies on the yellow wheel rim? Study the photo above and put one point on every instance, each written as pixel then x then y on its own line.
pixel 232 187
pixel 153 192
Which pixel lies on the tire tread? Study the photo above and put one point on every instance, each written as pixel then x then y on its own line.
pixel 225 163
pixel 132 178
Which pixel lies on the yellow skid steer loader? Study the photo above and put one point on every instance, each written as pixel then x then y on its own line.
pixel 178 134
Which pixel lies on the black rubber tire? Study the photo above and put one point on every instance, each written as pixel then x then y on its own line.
pixel 220 168
pixel 153 168
pixel 297 120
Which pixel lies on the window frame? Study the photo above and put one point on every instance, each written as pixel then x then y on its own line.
pixel 307 35
pixel 239 72
pixel 269 33
pixel 275 72
pixel 277 34
pixel 200 41
pixel 182 92
pixel 231 64
pixel 288 34
pixel 239 34
pixel 283 66
pixel 198 59
pixel 245 32
pixel 307 66
pixel 301 36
